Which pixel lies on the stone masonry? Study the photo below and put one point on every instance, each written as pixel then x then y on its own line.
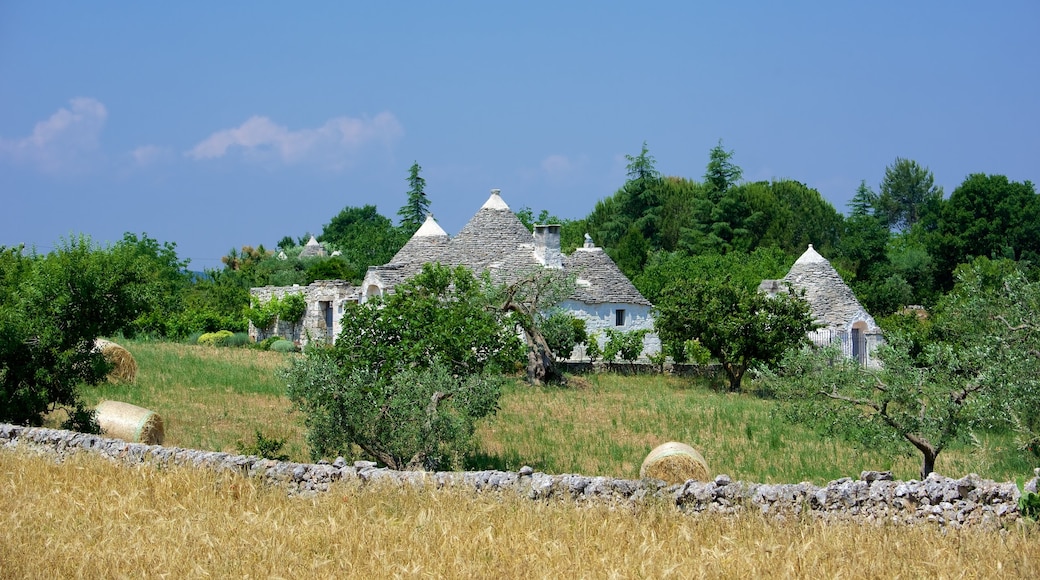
pixel 873 498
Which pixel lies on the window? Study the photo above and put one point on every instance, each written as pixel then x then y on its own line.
pixel 619 317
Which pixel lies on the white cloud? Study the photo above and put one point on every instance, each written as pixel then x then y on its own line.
pixel 330 144
pixel 146 155
pixel 556 164
pixel 64 142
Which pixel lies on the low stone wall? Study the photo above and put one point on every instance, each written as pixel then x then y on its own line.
pixel 873 498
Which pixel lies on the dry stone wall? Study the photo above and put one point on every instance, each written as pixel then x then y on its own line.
pixel 873 498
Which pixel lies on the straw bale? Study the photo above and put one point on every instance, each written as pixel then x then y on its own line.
pixel 130 423
pixel 674 462
pixel 124 367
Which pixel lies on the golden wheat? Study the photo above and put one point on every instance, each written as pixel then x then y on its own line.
pixel 89 518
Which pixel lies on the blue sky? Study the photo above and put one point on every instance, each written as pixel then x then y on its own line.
pixel 215 125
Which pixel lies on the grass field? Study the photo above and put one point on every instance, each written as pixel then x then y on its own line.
pixel 215 398
pixel 89 518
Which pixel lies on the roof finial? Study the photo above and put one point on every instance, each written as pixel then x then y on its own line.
pixel 496 192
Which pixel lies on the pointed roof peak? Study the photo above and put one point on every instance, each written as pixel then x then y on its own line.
pixel 429 229
pixel 810 256
pixel 313 241
pixel 495 201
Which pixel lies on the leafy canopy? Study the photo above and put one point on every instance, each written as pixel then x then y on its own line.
pixel 410 374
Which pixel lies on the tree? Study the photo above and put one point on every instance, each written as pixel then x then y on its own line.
pixel 524 300
pixel 721 173
pixel 413 213
pixel 410 373
pixel 987 215
pixel 363 236
pixel 973 367
pixel 739 326
pixel 53 308
pixel 167 279
pixel 907 193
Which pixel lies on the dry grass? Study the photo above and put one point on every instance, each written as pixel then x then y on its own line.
pixel 89 518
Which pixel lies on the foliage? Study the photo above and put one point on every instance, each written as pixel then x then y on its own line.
pixel 264 447
pixel 363 236
pixel 738 325
pixel 593 350
pixel 624 345
pixel 563 332
pixel 283 346
pixel 410 373
pixel 721 173
pixel 52 308
pixel 1029 505
pixel 413 213
pixel 419 417
pixel 166 279
pixel 523 300
pixel 289 308
pixel 218 338
pixel 974 369
pixel 907 194
pixel 990 216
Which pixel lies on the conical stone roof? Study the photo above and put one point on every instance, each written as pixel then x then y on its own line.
pixel 492 234
pixel 833 303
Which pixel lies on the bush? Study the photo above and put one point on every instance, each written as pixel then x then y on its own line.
pixel 282 345
pixel 421 418
pixel 215 338
pixel 264 447
pixel 266 343
pixel 562 333
pixel 236 339
pixel 194 337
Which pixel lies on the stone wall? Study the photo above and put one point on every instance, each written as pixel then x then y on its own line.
pixel 873 498
pixel 326 300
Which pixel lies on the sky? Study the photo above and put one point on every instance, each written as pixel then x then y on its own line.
pixel 215 125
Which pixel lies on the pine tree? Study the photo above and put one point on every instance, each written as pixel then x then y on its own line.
pixel 413 213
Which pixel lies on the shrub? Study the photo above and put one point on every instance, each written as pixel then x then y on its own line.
pixel 563 332
pixel 624 345
pixel 282 345
pixel 236 339
pixel 266 343
pixel 215 338
pixel 420 417
pixel 264 447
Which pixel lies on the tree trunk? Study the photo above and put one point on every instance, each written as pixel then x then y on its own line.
pixel 541 365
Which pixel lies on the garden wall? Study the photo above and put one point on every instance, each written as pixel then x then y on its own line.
pixel 873 498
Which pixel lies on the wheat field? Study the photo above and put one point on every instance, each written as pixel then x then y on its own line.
pixel 88 518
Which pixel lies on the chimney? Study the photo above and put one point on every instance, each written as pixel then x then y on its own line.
pixel 547 246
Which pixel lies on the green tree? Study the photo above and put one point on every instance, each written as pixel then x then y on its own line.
pixel 54 306
pixel 987 215
pixel 737 325
pixel 523 301
pixel 907 193
pixel 722 173
pixel 409 374
pixel 167 280
pixel 973 367
pixel 363 236
pixel 413 213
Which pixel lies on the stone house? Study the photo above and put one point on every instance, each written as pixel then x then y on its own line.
pixel 326 302
pixel 843 319
pixel 496 241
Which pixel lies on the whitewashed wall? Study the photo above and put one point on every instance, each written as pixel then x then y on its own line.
pixel 600 317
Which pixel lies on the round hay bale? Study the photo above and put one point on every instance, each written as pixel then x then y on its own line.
pixel 130 423
pixel 674 462
pixel 124 367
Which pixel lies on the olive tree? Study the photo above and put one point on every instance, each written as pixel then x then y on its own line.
pixel 410 374
pixel 972 367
